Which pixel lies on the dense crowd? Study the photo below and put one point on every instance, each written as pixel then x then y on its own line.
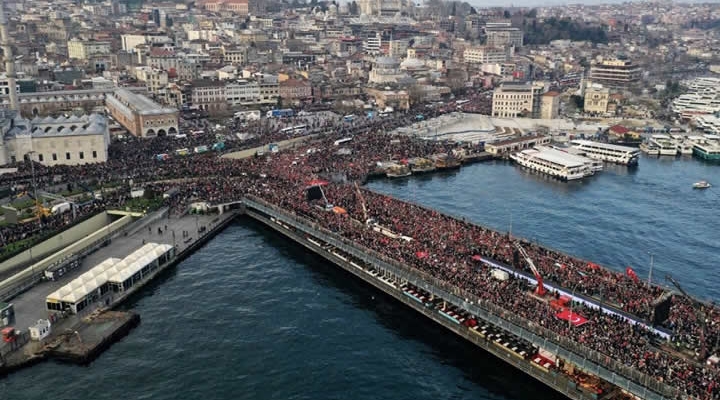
pixel 440 245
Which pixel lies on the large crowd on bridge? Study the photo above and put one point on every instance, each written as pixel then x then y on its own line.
pixel 446 248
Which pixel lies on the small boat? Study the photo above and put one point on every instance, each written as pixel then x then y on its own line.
pixel 420 165
pixel 398 171
pixel 701 185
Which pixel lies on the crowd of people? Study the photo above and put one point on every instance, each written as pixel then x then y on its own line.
pixel 445 247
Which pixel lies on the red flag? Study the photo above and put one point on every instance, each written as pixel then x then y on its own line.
pixel 421 254
pixel 574 318
pixel 477 257
pixel 629 271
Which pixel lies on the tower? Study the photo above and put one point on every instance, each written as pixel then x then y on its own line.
pixel 9 59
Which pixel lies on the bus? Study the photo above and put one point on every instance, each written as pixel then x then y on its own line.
pixel 461 103
pixel 198 132
pixel 343 140
pixel 285 112
pixel 296 130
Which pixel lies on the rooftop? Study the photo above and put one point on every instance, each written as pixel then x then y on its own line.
pixel 137 103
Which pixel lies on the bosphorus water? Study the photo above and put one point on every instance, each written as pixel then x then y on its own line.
pixel 253 316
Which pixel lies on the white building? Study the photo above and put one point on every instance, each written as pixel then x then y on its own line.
pixel 131 41
pixel 486 55
pixel 85 49
pixel 54 141
pixel 512 100
pixel 386 70
pixel 242 92
pixel 40 330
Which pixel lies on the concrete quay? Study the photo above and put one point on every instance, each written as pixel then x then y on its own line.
pixel 79 338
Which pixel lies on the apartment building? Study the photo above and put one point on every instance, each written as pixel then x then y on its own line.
pixel 615 73
pixel 486 55
pixel 86 49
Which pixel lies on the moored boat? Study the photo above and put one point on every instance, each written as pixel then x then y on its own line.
pixel 420 165
pixel 446 161
pixel 398 171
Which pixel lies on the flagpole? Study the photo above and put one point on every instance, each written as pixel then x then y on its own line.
pixel 651 268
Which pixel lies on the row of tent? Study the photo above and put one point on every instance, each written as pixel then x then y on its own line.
pixel 112 270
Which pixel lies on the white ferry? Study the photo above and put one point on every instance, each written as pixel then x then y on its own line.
pixel 595 165
pixel 554 163
pixel 608 152
pixel 664 144
pixel 649 149
pixel 685 147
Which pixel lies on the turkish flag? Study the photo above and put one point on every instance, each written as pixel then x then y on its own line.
pixel 574 318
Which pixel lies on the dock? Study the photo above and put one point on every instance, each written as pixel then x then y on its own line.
pixel 91 337
pixel 82 337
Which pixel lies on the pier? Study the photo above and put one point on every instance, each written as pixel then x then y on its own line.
pixel 81 337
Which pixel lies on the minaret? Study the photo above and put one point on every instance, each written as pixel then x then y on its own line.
pixel 9 59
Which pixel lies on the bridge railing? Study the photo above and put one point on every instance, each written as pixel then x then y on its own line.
pixel 592 361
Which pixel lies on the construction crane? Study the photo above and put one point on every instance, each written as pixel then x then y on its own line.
pixel 40 209
pixel 699 312
pixel 73 206
pixel 540 291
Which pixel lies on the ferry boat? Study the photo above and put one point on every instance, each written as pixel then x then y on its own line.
pixel 665 145
pixel 398 171
pixel 421 165
pixel 701 185
pixel 553 162
pixel 707 151
pixel 649 149
pixel 608 152
pixel 595 165
pixel 685 148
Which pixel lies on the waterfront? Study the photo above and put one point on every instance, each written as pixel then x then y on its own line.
pixel 615 218
pixel 250 316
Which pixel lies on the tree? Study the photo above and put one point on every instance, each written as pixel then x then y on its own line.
pixel 416 95
pixel 579 101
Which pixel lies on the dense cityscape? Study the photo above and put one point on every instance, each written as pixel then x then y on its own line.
pixel 119 118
